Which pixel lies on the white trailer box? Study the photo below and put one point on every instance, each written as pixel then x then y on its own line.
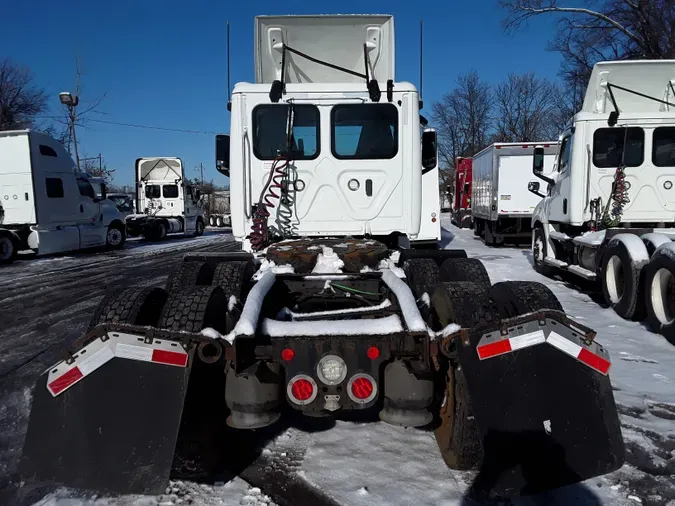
pixel 501 204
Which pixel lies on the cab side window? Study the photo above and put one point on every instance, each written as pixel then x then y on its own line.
pixel 86 189
pixel 565 151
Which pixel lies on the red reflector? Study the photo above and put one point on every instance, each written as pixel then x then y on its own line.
pixel 362 388
pixel 169 357
pixel 433 220
pixel 596 362
pixel 373 352
pixel 287 354
pixel 302 389
pixel 62 382
pixel 547 145
pixel 494 349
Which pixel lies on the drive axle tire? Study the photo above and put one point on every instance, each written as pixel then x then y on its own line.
pixel 620 275
pixel 468 305
pixel 660 292
pixel 212 221
pixel 465 269
pixel 159 231
pixel 195 310
pixel 423 275
pixel 219 222
pixel 134 306
pixel 232 277
pixel 188 275
pixel 515 298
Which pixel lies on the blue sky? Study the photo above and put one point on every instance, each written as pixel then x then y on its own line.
pixel 163 63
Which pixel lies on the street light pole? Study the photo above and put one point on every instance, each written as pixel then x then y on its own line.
pixel 71 102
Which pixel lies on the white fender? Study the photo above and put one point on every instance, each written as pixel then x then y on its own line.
pixel 636 248
pixel 653 240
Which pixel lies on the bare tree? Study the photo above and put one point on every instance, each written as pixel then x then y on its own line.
pixel 525 109
pixel 20 99
pixel 463 121
pixel 97 167
pixel 592 32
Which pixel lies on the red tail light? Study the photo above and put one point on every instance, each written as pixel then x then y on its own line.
pixel 362 388
pixel 302 389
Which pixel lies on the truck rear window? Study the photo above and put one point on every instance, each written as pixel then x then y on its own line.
pixel 608 147
pixel 663 151
pixel 152 191
pixel 170 191
pixel 364 131
pixel 269 131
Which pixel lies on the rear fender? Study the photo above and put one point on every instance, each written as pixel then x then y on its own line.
pixel 542 400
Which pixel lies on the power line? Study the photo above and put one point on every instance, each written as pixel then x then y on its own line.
pixel 150 127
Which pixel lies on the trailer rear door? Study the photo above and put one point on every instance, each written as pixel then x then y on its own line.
pixel 515 171
pixel 16 181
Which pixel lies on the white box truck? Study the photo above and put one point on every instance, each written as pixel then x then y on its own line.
pixel 501 204
pixel 166 202
pixel 46 205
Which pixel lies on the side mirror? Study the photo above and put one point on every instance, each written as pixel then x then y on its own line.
pixel 223 154
pixel 538 165
pixel 429 150
pixel 613 118
pixel 533 187
pixel 467 187
pixel 198 193
pixel 104 192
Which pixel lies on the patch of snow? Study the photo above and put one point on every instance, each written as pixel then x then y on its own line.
pixel 299 316
pixel 328 262
pixel 327 277
pixel 341 245
pixel 369 327
pixel 251 313
pixel 212 333
pixel 425 299
pixel 395 256
pixel 231 303
pixel 269 265
pixel 406 300
pixel 448 329
pixel 313 248
pixel 390 265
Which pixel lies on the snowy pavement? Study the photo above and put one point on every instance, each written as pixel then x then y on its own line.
pixel 378 464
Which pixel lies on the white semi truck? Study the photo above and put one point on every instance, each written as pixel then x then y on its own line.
pixel 47 206
pixel 326 309
pixel 608 214
pixel 166 202
pixel 501 204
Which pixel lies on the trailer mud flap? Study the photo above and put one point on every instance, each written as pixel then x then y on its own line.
pixel 543 405
pixel 108 421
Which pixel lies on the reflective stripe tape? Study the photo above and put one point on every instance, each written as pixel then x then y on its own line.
pixel 64 381
pixel 169 357
pixel 585 355
pixel 120 345
pixel 502 346
pixel 572 349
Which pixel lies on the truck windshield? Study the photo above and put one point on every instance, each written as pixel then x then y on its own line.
pixel 608 147
pixel 269 131
pixel 170 191
pixel 152 191
pixel 364 131
pixel 663 151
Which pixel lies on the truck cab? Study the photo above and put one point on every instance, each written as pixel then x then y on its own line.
pixel 166 202
pixel 335 149
pixel 47 205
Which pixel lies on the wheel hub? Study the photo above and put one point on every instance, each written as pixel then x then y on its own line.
pixel 114 237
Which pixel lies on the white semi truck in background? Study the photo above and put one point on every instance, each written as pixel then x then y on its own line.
pixel 166 202
pixel 608 214
pixel 47 206
pixel 501 204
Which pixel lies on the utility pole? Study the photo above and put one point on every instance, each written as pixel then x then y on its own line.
pixel 201 172
pixel 71 102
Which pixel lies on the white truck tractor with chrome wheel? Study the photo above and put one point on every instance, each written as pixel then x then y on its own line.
pixel 327 309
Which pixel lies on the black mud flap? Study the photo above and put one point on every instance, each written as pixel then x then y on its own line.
pixel 544 409
pixel 111 426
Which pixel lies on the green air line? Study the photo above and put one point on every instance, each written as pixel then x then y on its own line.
pixel 349 289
